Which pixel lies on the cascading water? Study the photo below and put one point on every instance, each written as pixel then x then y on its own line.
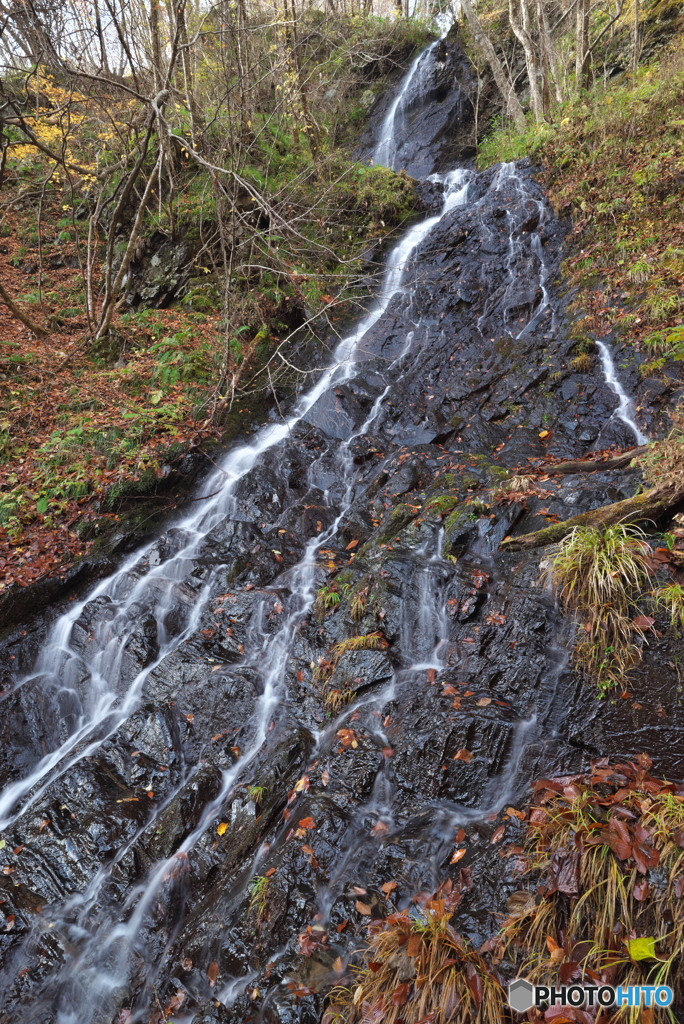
pixel 96 949
pixel 625 409
pixel 386 149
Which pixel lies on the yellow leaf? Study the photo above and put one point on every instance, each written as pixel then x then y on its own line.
pixel 642 949
pixel 222 828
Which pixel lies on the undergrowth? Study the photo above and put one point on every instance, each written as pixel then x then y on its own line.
pixel 604 859
pixel 418 968
pixel 599 574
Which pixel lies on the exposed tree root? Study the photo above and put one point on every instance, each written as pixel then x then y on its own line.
pixel 20 315
pixel 649 505
pixel 594 465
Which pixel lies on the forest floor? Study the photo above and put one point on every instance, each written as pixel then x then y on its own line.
pixel 76 432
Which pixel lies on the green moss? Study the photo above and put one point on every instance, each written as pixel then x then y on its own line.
pixel 398 519
pixel 442 504
pixel 459 518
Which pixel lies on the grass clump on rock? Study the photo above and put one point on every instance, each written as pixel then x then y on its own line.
pixel 671 598
pixel 599 573
pixel 417 968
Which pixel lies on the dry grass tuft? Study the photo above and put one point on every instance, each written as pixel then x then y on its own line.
pixel 671 598
pixel 375 641
pixel 582 363
pixel 599 574
pixel 417 968
pixel 606 849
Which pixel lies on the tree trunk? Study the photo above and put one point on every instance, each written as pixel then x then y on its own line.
pixel 636 38
pixel 582 52
pixel 503 82
pixel 520 23
pixel 550 52
pixel 593 465
pixel 649 505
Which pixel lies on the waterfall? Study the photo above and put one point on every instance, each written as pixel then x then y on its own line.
pixel 386 149
pixel 625 409
pixel 104 962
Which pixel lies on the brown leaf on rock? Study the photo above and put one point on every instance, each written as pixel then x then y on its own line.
pixel 569 971
pixel 498 834
pixel 565 872
pixel 475 984
pixel 520 903
pixel 643 621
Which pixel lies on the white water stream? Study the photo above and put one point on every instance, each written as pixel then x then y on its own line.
pixel 625 409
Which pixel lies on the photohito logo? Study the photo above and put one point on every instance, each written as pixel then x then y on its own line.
pixel 522 995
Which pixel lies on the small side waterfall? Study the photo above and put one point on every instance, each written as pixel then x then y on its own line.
pixel 625 409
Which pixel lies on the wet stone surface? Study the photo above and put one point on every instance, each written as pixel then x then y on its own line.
pixel 318 677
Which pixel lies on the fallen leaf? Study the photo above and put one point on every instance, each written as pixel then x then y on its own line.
pixel 457 855
pixel 307 823
pixel 475 983
pixel 642 949
pixel 483 702
pixel 643 621
pixel 389 887
pixel 495 619
pixel 213 973
pixel 641 890
pixel 222 828
pixel 401 994
pixel 351 544
pixel 498 835
pixel 363 908
pixel 464 755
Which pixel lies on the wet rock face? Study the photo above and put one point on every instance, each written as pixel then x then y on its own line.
pixel 308 686
pixel 433 129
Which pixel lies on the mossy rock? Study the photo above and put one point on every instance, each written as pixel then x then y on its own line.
pixel 441 504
